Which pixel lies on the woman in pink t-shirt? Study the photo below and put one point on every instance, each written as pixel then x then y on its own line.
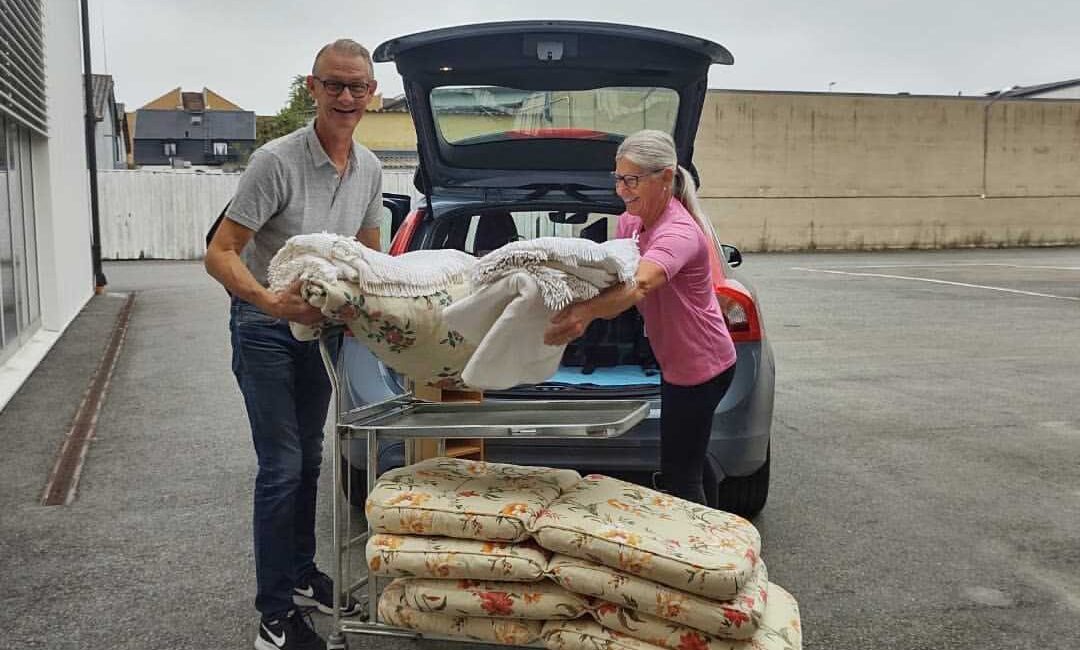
pixel 674 292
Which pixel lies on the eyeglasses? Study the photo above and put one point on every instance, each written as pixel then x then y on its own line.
pixel 335 88
pixel 631 180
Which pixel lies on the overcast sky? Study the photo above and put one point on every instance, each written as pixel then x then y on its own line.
pixel 248 50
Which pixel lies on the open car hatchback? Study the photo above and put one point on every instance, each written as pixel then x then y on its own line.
pixel 517 127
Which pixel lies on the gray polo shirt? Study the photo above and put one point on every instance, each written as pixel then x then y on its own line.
pixel 290 187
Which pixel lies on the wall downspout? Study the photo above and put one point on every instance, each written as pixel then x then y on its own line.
pixel 91 154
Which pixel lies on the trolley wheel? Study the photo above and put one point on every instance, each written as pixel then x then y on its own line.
pixel 337 641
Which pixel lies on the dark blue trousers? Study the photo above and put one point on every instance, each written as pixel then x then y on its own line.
pixel 287 393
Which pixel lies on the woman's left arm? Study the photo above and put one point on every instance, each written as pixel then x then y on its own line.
pixel 571 322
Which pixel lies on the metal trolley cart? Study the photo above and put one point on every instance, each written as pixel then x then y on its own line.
pixel 404 417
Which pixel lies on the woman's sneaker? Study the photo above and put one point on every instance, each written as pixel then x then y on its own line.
pixel 317 590
pixel 288 632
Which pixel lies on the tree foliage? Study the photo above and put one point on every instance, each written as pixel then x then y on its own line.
pixel 298 110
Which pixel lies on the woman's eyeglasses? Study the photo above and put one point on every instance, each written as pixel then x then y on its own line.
pixel 357 90
pixel 631 180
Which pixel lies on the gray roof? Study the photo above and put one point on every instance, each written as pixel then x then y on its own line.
pixel 155 124
pixel 102 86
pixel 395 105
pixel 1021 91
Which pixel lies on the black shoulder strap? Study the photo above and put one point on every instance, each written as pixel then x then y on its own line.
pixel 216 225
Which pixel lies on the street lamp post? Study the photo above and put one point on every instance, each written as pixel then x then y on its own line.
pixel 1001 94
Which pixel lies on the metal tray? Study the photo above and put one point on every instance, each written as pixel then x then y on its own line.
pixel 413 418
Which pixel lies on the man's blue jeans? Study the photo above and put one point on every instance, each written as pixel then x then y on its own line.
pixel 287 393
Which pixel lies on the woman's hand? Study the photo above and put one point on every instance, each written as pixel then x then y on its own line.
pixel 568 324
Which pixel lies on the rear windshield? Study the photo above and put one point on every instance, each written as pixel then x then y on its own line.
pixel 482 114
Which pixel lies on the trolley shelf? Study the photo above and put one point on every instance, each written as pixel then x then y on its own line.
pixel 406 417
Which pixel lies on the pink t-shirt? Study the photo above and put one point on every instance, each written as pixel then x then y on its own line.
pixel 682 318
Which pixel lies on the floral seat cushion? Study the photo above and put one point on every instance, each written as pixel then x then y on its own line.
pixel 683 545
pixel 587 634
pixel 780 628
pixel 409 334
pixel 505 631
pixel 465 499
pixel 738 618
pixel 394 556
pixel 543 600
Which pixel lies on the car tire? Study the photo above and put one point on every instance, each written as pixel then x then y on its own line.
pixel 745 495
pixel 353 483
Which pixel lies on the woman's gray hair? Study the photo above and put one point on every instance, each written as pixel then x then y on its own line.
pixel 655 150
pixel 347 47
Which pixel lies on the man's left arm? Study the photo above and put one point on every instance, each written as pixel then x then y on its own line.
pixel 370 234
pixel 370 237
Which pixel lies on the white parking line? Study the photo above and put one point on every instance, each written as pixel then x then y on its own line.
pixel 935 281
pixel 962 264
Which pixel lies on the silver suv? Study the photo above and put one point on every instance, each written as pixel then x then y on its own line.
pixel 517 126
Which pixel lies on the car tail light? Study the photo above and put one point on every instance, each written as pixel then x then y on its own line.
pixel 405 233
pixel 739 310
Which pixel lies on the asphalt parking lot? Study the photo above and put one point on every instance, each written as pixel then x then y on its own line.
pixel 926 461
pixel 927 468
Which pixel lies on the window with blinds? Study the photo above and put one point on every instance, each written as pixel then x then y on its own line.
pixel 22 64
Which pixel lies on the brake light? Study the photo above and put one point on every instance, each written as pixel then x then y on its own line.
pixel 740 311
pixel 405 233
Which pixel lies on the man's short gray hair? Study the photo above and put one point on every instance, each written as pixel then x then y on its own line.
pixel 345 46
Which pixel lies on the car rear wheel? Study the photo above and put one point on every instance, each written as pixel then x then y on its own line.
pixel 745 495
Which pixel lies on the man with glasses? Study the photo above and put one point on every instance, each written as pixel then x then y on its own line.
pixel 314 179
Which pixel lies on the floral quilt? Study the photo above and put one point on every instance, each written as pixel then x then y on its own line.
pixel 407 333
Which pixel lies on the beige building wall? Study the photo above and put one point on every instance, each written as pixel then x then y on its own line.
pixel 793 171
pixel 386 131
pixel 785 171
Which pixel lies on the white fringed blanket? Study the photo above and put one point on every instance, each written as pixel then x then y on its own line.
pixel 516 291
pixel 567 270
pixel 326 258
pixel 462 321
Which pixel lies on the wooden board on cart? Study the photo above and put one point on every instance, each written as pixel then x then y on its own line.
pixel 470 448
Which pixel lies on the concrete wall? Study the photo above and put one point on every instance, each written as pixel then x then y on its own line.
pixel 796 171
pixel 386 132
pixel 783 171
pixel 165 214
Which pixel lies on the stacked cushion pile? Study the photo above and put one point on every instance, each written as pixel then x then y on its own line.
pixel 510 554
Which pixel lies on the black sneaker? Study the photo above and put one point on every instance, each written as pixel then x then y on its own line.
pixel 288 632
pixel 317 590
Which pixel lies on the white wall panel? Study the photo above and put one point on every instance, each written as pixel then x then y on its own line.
pixel 165 214
pixel 61 182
